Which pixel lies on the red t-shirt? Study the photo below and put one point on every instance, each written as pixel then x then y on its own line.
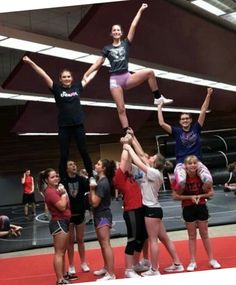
pixel 193 187
pixel 28 184
pixel 126 185
pixel 51 198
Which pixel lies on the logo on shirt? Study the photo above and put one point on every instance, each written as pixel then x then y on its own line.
pixel 73 189
pixel 188 139
pixel 72 94
pixel 118 54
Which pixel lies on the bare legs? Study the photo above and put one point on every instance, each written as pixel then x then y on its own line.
pixel 60 241
pixel 103 235
pixel 134 80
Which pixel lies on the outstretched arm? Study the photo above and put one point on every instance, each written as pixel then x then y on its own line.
pixel 135 21
pixel 136 160
pixel 161 121
pixel 39 71
pixel 205 106
pixel 137 147
pixel 94 67
pixel 125 160
pixel 86 80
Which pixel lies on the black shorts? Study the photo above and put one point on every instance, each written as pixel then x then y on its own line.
pixel 195 213
pixel 77 219
pixel 153 212
pixel 103 219
pixel 56 227
pixel 28 198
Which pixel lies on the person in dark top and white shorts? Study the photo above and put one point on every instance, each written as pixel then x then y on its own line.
pixel 120 79
pixel 70 117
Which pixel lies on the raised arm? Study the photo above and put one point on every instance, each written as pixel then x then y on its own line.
pixel 137 147
pixel 39 71
pixel 125 160
pixel 94 67
pixel 135 21
pixel 86 80
pixel 161 121
pixel 205 106
pixel 136 160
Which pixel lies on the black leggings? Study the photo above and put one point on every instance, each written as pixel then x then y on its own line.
pixel 65 135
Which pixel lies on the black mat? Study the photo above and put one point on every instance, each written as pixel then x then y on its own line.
pixel 35 232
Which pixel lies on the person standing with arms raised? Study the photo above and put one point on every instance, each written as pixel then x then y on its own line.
pixel 71 117
pixel 120 79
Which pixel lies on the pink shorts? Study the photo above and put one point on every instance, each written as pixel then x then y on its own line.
pixel 119 80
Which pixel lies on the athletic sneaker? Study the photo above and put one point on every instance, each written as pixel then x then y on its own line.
pixel 174 268
pixel 130 273
pixel 145 262
pixel 84 267
pixel 107 277
pixel 62 282
pixel 151 272
pixel 214 264
pixel 92 182
pixel 158 101
pixel 192 266
pixel 99 272
pixel 70 276
pixel 139 267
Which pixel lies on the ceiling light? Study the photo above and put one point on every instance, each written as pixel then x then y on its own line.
pixel 23 45
pixel 208 7
pixel 55 134
pixel 25 5
pixel 92 103
pixel 2 38
pixel 64 53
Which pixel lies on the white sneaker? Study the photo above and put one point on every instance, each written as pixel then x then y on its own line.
pixel 130 273
pixel 174 268
pixel 151 272
pixel 99 272
pixel 158 101
pixel 139 267
pixel 92 182
pixel 192 266
pixel 145 262
pixel 107 277
pixel 84 267
pixel 214 264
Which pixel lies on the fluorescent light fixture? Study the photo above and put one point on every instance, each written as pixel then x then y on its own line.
pixel 25 5
pixel 208 7
pixel 64 53
pixel 23 45
pixel 93 103
pixel 88 59
pixel 2 38
pixel 55 134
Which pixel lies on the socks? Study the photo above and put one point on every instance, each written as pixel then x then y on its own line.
pixel 156 94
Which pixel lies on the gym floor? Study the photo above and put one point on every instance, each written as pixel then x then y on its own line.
pixel 35 233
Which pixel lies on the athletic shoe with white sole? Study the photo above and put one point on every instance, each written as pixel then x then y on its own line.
pixel 130 273
pixel 107 277
pixel 192 266
pixel 92 182
pixel 100 272
pixel 174 268
pixel 158 101
pixel 214 264
pixel 150 272
pixel 139 267
pixel 84 266
pixel 145 262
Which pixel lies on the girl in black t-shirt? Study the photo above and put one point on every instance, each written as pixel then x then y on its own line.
pixel 70 117
pixel 120 79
